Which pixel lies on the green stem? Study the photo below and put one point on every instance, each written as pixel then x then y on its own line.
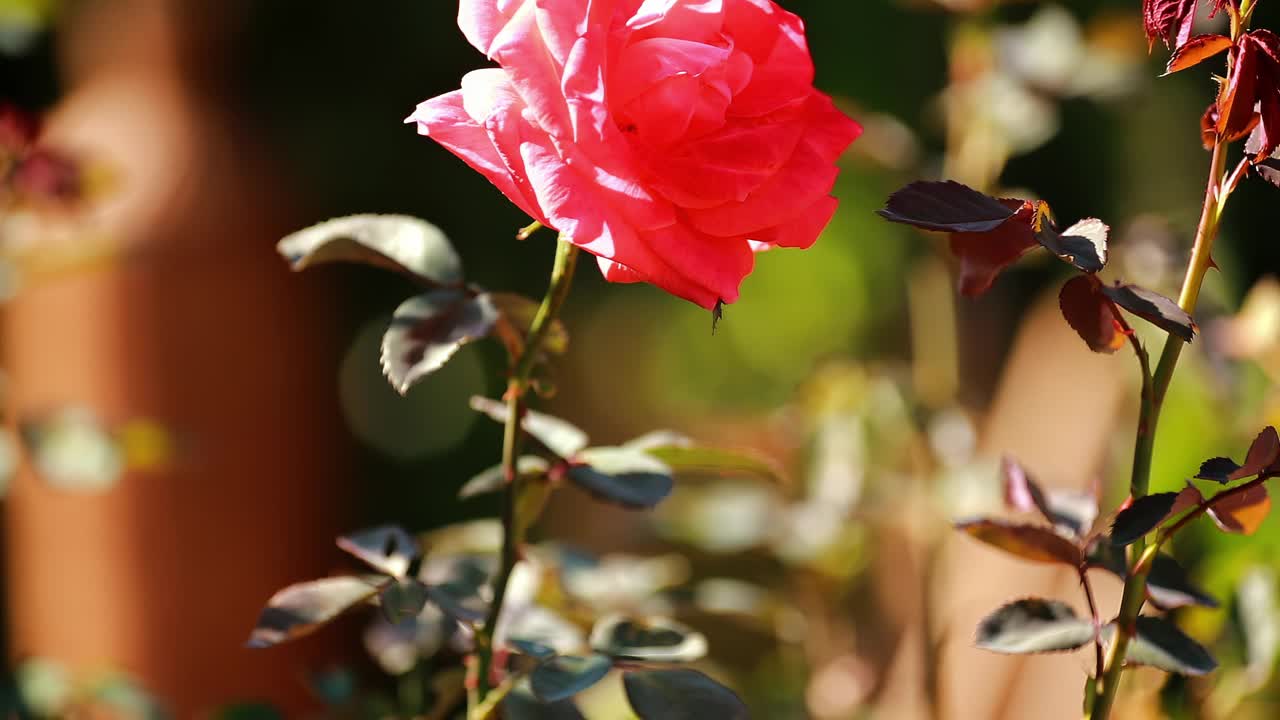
pixel 517 386
pixel 1135 587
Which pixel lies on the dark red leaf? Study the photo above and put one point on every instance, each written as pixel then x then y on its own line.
pixel 1091 314
pixel 1083 245
pixel 1168 20
pixel 983 255
pixel 1264 456
pixel 949 207
pixel 1240 93
pixel 1029 542
pixel 1244 512
pixel 1197 50
pixel 1141 517
pixel 1209 126
pixel 1154 308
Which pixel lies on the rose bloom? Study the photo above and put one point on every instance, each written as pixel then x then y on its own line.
pixel 672 139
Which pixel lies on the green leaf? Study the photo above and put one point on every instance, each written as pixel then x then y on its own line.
pixel 395 242
pixel 403 599
pixel 681 695
pixel 1033 626
pixel 1029 542
pixel 494 479
pixel 1168 586
pixel 560 678
pixel 300 609
pixel 524 706
pixel 718 462
pixel 558 436
pixel 650 640
pixel 458 585
pixel 427 330
pixel 630 478
pixel 532 648
pixel 1160 644
pixel 1141 517
pixel 388 549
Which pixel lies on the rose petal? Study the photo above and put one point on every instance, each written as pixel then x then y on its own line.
pixel 801 231
pixel 807 177
pixel 482 20
pixel 445 120
pixel 683 19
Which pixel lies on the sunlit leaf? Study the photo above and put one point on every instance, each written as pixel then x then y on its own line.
pixel 532 649
pixel 427 330
pixel 1091 314
pixel 648 640
pixel 1242 513
pixel 387 549
pixel 1029 542
pixel 681 695
pixel 946 206
pixel 1263 456
pixel 558 436
pixel 459 585
pixel 402 598
pixel 1141 517
pixel 1083 245
pixel 562 677
pixel 1154 308
pixel 1197 50
pixel 1033 626
pixel 300 609
pixel 396 242
pixel 631 478
pixel 699 460
pixel 1160 644
pixel 1169 587
pixel 494 479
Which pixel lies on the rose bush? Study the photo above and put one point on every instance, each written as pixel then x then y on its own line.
pixel 670 138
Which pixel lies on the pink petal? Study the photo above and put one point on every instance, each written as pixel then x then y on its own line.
pixel 802 230
pixel 482 20
pixel 725 166
pixel 807 177
pixel 445 120
pixel 575 206
pixel 684 19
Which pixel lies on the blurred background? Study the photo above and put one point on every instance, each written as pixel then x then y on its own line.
pixel 197 423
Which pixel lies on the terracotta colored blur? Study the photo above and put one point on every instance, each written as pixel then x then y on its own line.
pixel 197 325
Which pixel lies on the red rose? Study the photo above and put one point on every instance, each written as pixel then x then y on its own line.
pixel 670 138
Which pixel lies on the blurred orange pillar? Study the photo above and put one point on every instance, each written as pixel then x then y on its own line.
pixel 199 326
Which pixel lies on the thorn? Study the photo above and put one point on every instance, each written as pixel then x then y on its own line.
pixel 1214 264
pixel 717 314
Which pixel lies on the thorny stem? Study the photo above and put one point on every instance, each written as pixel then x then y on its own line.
pixel 517 385
pixel 1099 661
pixel 1135 588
